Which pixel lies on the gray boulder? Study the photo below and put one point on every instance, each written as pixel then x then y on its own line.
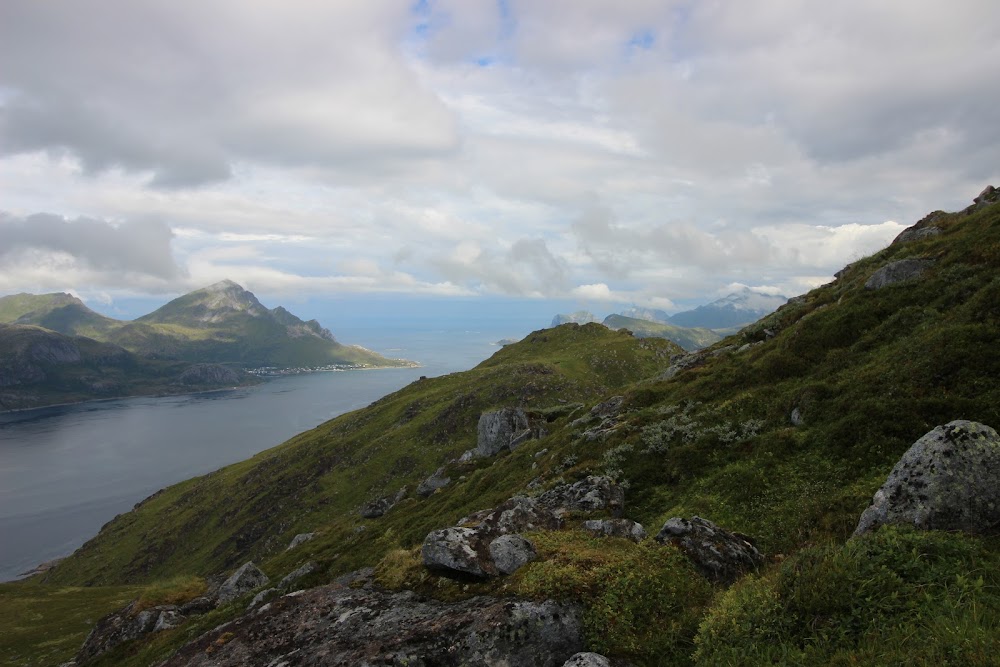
pixel 587 660
pixel 914 234
pixel 630 530
pixel 457 551
pixel 341 626
pixel 608 408
pixel 296 574
pixel 948 480
pixel 503 429
pixel 301 538
pixel 510 552
pixel 517 515
pixel 718 554
pixel 596 492
pixel 125 625
pixel 436 481
pixel 898 272
pixel 242 581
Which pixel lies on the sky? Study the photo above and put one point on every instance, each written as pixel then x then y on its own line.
pixel 576 152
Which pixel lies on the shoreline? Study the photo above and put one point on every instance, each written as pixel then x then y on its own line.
pixel 260 379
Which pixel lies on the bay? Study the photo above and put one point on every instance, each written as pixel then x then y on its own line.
pixel 67 470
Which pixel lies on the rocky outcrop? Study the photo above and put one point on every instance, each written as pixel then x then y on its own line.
pixel 990 195
pixel 503 429
pixel 125 625
pixel 301 538
pixel 595 493
pixel 214 374
pixel 478 547
pixel 436 481
pixel 247 578
pixel 718 554
pixel 898 272
pixel 625 528
pixel 338 626
pixel 948 480
pixel 587 660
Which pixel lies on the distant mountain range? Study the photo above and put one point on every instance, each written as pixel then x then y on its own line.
pixel 55 349
pixel 691 329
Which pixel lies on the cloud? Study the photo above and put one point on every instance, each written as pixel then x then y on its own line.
pixel 526 268
pixel 96 245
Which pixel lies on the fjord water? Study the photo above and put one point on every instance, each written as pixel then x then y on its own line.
pixel 65 471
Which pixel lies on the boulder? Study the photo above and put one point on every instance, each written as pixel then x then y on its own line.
pixel 608 408
pixel 588 495
pixel 300 539
pixel 796 417
pixel 262 597
pixel 630 530
pixel 898 272
pixel 510 552
pixel 457 551
pixel 913 234
pixel 587 660
pixel 296 574
pixel 125 625
pixel 339 626
pixel 199 605
pixel 436 481
pixel 718 554
pixel 988 196
pixel 947 480
pixel 245 579
pixel 517 515
pixel 505 428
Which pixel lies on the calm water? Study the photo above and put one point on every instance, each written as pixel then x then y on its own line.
pixel 66 471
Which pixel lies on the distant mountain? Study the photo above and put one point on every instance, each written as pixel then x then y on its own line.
pixel 42 367
pixel 222 323
pixel 688 338
pixel 648 314
pixel 738 308
pixel 579 317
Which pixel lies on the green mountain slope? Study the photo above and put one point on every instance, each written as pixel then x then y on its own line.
pixel 687 338
pixel 782 432
pixel 60 312
pixel 41 367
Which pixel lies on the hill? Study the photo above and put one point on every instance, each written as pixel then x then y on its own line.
pixel 41 367
pixel 781 434
pixel 688 338
pixel 222 323
pixel 578 317
pixel 733 310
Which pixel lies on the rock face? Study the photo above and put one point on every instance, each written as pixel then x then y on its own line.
pixel 948 480
pixel 588 495
pixel 125 625
pixel 719 555
pixel 245 579
pixel 503 429
pixel 626 528
pixel 337 626
pixel 897 272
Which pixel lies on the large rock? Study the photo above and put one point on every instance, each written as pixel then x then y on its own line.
pixel 588 495
pixel 948 480
pixel 510 552
pixel 517 515
pixel 720 555
pixel 503 429
pixel 625 528
pixel 587 660
pixel 247 578
pixel 436 481
pixel 338 626
pixel 457 551
pixel 898 272
pixel 125 625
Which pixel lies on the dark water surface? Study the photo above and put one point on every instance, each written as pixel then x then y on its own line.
pixel 65 471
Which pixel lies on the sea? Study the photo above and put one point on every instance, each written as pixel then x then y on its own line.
pixel 66 471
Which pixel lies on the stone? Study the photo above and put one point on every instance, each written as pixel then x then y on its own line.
pixel 718 554
pixel 510 552
pixel 339 626
pixel 498 430
pixel 295 574
pixel 300 539
pixel 608 408
pixel 588 495
pixel 630 530
pixel 377 508
pixel 199 605
pixel 436 481
pixel 897 272
pixel 456 551
pixel 587 660
pixel 914 234
pixel 796 417
pixel 125 625
pixel 949 479
pixel 517 515
pixel 988 196
pixel 245 579
pixel 262 597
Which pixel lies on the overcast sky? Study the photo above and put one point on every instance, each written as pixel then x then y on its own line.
pixel 625 151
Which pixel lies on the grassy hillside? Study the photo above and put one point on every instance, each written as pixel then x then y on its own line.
pixel 867 370
pixel 59 312
pixel 687 338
